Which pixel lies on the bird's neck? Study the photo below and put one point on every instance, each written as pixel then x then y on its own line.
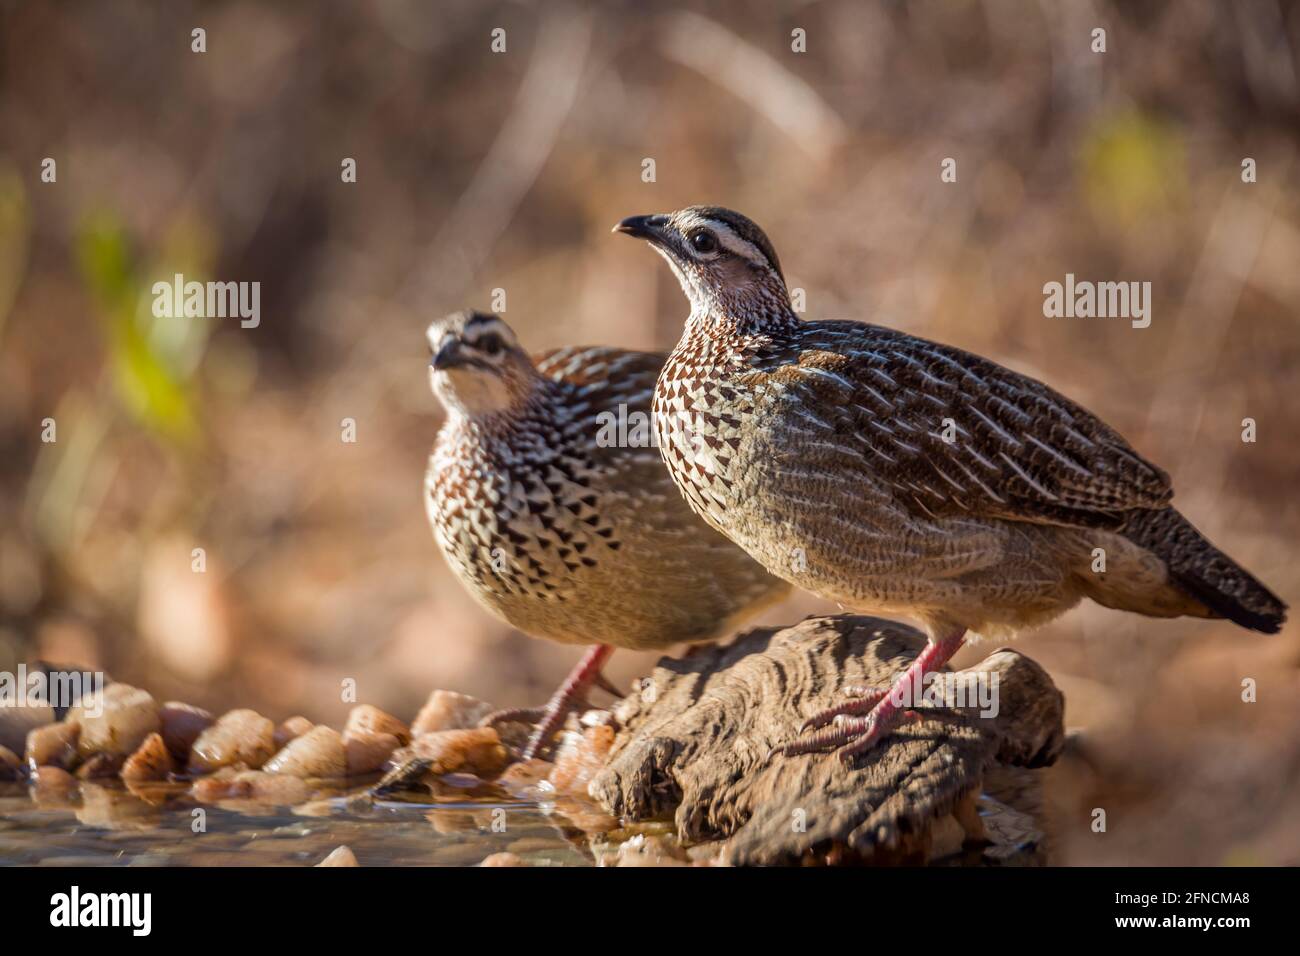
pixel 496 406
pixel 741 321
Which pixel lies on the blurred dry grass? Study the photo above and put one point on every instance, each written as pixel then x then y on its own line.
pixel 479 171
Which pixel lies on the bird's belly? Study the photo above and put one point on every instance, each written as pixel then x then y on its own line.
pixel 834 531
pixel 668 581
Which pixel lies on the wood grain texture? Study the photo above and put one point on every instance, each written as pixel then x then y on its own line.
pixel 695 742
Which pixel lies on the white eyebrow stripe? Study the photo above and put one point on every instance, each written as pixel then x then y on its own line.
pixel 727 238
pixel 733 243
pixel 473 333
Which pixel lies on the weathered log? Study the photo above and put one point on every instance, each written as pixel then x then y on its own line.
pixel 696 740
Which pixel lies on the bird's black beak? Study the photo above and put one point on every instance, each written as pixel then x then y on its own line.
pixel 448 356
pixel 650 228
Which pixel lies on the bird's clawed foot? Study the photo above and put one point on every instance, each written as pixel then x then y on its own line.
pixel 861 722
pixel 862 701
pixel 855 726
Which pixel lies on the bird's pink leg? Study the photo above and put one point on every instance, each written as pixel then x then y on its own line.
pixel 549 718
pixel 856 734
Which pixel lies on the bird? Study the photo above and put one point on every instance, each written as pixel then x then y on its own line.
pixel 893 474
pixel 549 501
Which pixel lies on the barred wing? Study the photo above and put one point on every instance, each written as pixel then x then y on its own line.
pixel 955 433
pixel 604 377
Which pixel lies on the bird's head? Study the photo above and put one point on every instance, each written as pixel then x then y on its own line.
pixel 476 367
pixel 724 262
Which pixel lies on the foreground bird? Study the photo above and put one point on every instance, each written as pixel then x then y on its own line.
pixel 552 505
pixel 890 473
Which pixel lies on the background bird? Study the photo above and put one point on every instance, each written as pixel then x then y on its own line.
pixel 894 474
pixel 550 502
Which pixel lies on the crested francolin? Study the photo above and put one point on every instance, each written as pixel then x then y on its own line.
pixel 552 505
pixel 894 474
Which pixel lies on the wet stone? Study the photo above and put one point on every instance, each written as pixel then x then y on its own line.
pixel 366 751
pixel 478 751
pixel 54 745
pixel 117 722
pixel 150 762
pixel 448 710
pixel 368 719
pixel 339 856
pixel 239 737
pixel 290 729
pixel 317 753
pixel 181 726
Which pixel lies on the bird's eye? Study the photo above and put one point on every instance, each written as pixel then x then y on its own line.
pixel 703 241
pixel 491 344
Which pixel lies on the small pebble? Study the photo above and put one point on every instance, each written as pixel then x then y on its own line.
pixel 241 736
pixel 151 761
pixel 528 779
pixel 448 710
pixel 54 745
pixel 477 751
pixel 366 718
pixel 366 751
pixel 291 729
pixel 580 757
pixel 125 716
pixel 340 856
pixel 181 726
pixel 317 753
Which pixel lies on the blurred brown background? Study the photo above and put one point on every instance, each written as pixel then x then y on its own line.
pixel 479 171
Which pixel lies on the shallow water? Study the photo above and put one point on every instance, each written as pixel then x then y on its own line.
pixel 108 825
pixel 455 822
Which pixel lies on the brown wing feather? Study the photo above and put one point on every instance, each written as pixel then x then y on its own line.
pixel 606 376
pixel 1019 449
pixel 601 380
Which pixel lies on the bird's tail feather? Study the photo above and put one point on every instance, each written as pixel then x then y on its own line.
pixel 1204 572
